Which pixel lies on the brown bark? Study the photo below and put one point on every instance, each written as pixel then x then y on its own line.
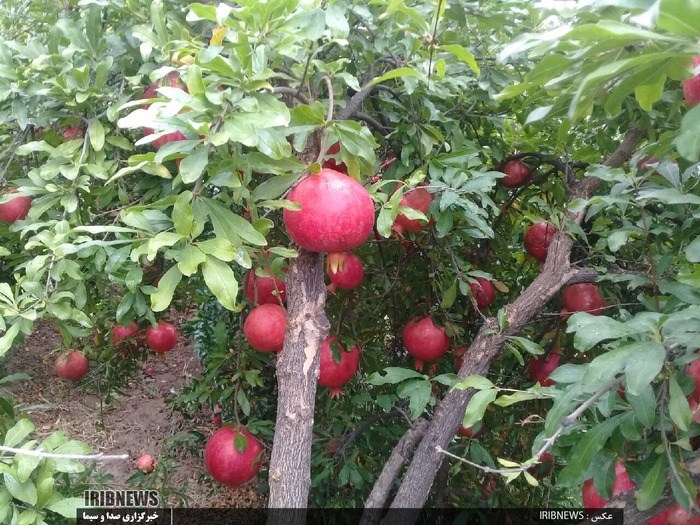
pixel 297 372
pixel 556 273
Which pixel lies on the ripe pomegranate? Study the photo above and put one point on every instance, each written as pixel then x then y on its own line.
pixel 660 518
pixel 517 174
pixel 337 213
pixel 335 374
pixel 538 237
pixel 541 367
pixel 694 404
pixel 345 270
pixel 388 162
pixel 472 432
pixel 582 297
pixel 622 483
pixel 267 288
pixel 693 370
pixel 172 80
pixel 15 209
pixel 265 326
pixel 459 356
pixel 228 463
pixel 71 133
pixel 691 87
pixel 332 164
pixel 425 341
pixel 418 199
pixel 121 333
pixel 677 515
pixel 145 463
pixel 161 338
pixel 71 366
pixel 544 468
pixel 483 292
pixel 216 417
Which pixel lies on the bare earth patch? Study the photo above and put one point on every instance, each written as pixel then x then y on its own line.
pixel 135 424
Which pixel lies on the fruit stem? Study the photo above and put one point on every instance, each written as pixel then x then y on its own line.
pixel 329 118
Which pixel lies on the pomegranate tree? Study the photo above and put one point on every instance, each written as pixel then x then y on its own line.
pixel 232 457
pixel 171 80
pixel 540 368
pixel 344 270
pixel 161 338
pixel 538 237
pixel 517 174
pixel 265 289
pixel 418 199
pixel 265 326
pixel 15 209
pixel 582 297
pixel 622 483
pixel 691 87
pixel 337 213
pixel 71 366
pixel 483 292
pixel 425 341
pixel 336 370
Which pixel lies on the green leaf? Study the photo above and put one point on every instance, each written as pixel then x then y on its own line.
pixel 8 338
pixel 644 406
pixel 653 486
pixel 273 187
pixel 643 365
pixel 692 252
pixel 474 381
pixel 221 281
pixel 477 406
pixel 194 164
pixel 189 260
pixel 592 329
pixel 394 375
pixel 419 397
pixel 166 288
pixel 604 368
pixel 464 55
pixel 518 397
pixel 67 507
pixel 183 218
pixel 449 296
pixel 25 492
pixel 680 17
pixel 527 345
pixel 16 434
pixel 678 406
pixel 396 73
pixel 219 248
pixel 26 464
pixel 96 133
pixel 231 225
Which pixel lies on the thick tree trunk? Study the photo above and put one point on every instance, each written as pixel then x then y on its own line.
pixel 488 344
pixel 297 372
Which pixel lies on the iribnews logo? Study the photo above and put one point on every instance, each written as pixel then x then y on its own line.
pixel 121 498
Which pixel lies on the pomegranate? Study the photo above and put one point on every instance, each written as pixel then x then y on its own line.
pixel 216 416
pixel 483 292
pixel 693 370
pixel 337 213
pixel 418 199
pixel 459 356
pixel 172 80
pixel 122 333
pixel 660 518
pixel 145 463
pixel 71 366
pixel 335 374
pixel 332 164
pixel 582 297
pixel 677 515
pixel 691 87
pixel 538 237
pixel 345 270
pixel 388 162
pixel 622 483
pixel 425 341
pixel 161 338
pixel 541 367
pixel 270 289
pixel 15 209
pixel 544 468
pixel 71 133
pixel 265 326
pixel 472 432
pixel 230 464
pixel 517 174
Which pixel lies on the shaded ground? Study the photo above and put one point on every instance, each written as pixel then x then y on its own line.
pixel 135 424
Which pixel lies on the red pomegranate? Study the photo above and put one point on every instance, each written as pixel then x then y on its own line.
pixel 418 199
pixel 459 356
pixel 472 432
pixel 265 326
pixel 541 367
pixel 677 515
pixel 172 80
pixel 216 416
pixel 538 237
pixel 337 213
pixel 145 463
pixel 425 341
pixel 582 297
pixel 345 270
pixel 691 87
pixel 267 288
pixel 15 209
pixel 161 338
pixel 517 174
pixel 334 374
pixel 229 462
pixel 483 292
pixel 121 333
pixel 693 370
pixel 660 518
pixel 544 468
pixel 332 164
pixel 622 483
pixel 71 366
pixel 71 133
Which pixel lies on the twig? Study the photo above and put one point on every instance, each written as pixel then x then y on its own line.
pixel 39 454
pixel 329 118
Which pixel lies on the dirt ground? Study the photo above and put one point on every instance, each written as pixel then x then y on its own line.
pixel 135 424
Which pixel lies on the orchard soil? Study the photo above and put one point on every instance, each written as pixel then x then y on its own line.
pixel 136 423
